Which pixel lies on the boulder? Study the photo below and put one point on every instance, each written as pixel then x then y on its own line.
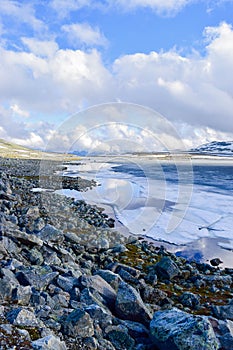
pixel 224 312
pixel 177 330
pixel 110 277
pixel 22 317
pixel 49 343
pixel 21 295
pixel 98 284
pixel 39 277
pixel 190 300
pixel 129 305
pixel 78 324
pixel 50 234
pixel 119 337
pixel 166 268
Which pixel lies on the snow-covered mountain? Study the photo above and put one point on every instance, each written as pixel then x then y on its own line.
pixel 224 148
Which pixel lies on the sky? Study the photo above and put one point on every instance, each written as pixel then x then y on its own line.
pixel 65 58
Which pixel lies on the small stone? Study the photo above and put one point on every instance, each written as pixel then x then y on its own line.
pixel 50 234
pixel 22 317
pixel 21 295
pixel 215 262
pixel 119 337
pixel 190 299
pixel 78 324
pixel 166 268
pixel 49 343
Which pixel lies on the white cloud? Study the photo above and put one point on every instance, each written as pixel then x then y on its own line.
pixel 20 112
pixel 41 48
pixel 83 33
pixel 195 93
pixel 64 7
pixel 21 12
pixel 162 7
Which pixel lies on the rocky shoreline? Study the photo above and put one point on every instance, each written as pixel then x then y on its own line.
pixel 68 280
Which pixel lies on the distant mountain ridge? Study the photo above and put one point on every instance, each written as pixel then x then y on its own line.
pixel 224 148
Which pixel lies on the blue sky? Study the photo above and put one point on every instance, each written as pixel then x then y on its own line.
pixel 58 57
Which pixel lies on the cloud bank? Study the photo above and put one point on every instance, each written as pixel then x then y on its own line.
pixel 42 78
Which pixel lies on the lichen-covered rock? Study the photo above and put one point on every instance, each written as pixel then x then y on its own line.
pixel 67 283
pixel 129 305
pixel 110 277
pixel 166 268
pixel 119 337
pixel 21 295
pixel 177 330
pixel 38 277
pixel 50 234
pixel 100 315
pixel 22 317
pixel 224 312
pixel 49 343
pixel 190 300
pixel 78 324
pixel 98 284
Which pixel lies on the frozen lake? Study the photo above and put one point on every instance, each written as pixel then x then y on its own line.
pixel 182 203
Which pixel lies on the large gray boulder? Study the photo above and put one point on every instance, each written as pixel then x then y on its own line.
pixel 98 284
pixel 129 305
pixel 177 330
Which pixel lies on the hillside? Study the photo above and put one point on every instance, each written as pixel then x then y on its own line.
pixel 224 148
pixel 11 150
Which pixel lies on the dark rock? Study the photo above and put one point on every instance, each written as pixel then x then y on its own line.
pixel 135 329
pixel 98 284
pixel 129 305
pixel 67 283
pixel 119 337
pixel 34 256
pixel 177 330
pixel 39 277
pixel 224 312
pixel 78 324
pixel 110 277
pixel 100 315
pixel 92 297
pixel 151 278
pixel 215 262
pixel 190 300
pixel 166 268
pixel 90 343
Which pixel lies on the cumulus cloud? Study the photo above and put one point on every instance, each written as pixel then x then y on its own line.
pixel 18 111
pixel 83 33
pixel 40 48
pixel 194 93
pixel 21 12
